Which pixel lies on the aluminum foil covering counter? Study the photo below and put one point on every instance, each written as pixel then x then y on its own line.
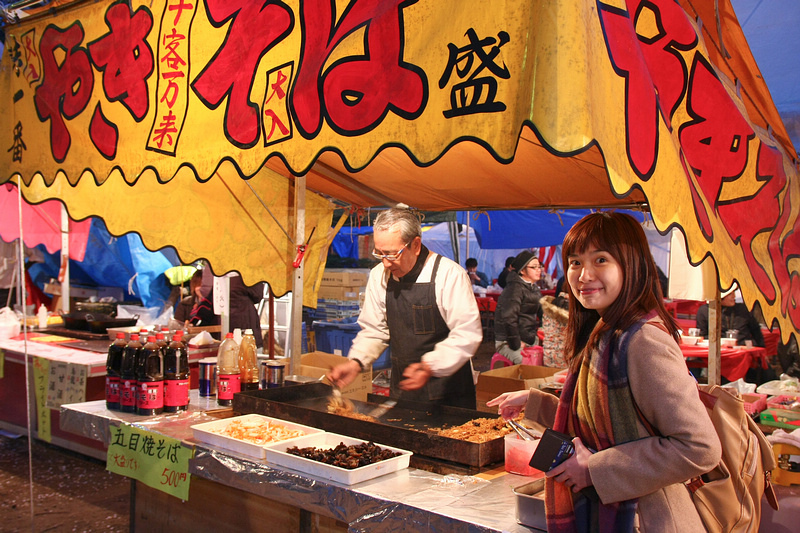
pixel 408 500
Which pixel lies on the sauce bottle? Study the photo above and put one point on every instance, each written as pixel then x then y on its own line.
pixel 114 371
pixel 150 378
pixel 248 361
pixel 176 376
pixel 228 377
pixel 128 388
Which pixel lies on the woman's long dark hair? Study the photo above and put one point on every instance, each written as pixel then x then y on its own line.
pixel 623 237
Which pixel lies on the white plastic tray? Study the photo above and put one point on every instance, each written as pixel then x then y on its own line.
pixel 205 433
pixel 773 388
pixel 276 454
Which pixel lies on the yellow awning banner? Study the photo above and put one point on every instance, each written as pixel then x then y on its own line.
pixel 239 225
pixel 440 105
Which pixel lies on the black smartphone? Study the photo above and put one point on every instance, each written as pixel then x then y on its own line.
pixel 553 448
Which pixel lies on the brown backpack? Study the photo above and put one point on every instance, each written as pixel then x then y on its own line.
pixel 729 497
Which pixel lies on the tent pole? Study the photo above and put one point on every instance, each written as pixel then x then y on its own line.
pixel 714 334
pixel 65 259
pixel 466 246
pixel 297 279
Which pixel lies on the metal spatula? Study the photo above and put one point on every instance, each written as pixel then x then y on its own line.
pixel 382 408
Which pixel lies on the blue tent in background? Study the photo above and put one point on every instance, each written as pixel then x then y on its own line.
pixel 115 262
pixel 526 229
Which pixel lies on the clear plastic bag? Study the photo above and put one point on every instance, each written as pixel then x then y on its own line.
pixel 9 323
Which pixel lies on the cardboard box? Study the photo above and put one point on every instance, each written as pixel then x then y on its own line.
pixel 338 277
pixel 344 292
pixel 317 364
pixel 493 383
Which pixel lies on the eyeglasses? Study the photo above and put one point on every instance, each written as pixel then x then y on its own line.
pixel 537 267
pixel 391 257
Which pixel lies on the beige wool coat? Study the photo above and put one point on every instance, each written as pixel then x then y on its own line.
pixel 652 468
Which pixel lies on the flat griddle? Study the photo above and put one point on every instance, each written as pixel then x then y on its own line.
pixel 404 426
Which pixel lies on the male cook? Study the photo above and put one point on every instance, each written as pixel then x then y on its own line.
pixel 421 304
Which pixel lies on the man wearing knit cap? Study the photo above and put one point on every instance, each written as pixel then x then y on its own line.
pixel 519 314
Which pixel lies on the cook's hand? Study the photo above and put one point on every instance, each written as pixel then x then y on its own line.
pixel 509 404
pixel 344 374
pixel 574 472
pixel 417 375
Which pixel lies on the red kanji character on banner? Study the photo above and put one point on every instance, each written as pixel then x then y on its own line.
pixel 125 58
pixel 180 6
pixel 255 27
pixel 655 75
pixel 66 87
pixel 358 91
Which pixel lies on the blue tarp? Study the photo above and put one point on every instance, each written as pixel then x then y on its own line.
pixel 525 229
pixel 112 262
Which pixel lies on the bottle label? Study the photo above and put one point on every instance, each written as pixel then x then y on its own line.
pixel 112 389
pixel 151 395
pixel 176 392
pixel 128 393
pixel 229 384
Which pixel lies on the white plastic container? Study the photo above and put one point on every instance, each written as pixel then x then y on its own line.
pixel 276 454
pixel 207 433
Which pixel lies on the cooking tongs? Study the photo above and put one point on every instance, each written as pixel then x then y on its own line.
pixel 523 432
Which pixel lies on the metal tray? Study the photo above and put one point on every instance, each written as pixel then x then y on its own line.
pixel 404 426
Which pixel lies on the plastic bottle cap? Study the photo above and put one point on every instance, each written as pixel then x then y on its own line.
pixel 229 335
pixel 120 335
pixel 176 337
pixel 248 331
pixel 151 339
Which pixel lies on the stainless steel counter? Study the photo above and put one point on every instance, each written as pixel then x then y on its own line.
pixel 408 500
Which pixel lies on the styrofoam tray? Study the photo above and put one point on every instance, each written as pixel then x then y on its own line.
pixel 773 388
pixel 205 433
pixel 276 454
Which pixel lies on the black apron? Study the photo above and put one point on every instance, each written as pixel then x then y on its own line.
pixel 416 326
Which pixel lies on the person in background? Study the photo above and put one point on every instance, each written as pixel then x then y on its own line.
pixel 421 304
pixel 518 314
pixel 739 321
pixel 197 309
pixel 477 278
pixel 626 372
pixel 243 301
pixel 503 276
pixel 734 316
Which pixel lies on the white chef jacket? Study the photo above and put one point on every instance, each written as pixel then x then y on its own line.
pixel 456 303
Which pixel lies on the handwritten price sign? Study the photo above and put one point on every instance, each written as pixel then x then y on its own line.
pixel 157 461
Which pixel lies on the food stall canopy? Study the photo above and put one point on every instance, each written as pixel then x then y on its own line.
pixel 510 105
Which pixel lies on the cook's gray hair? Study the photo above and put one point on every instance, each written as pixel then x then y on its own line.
pixel 406 221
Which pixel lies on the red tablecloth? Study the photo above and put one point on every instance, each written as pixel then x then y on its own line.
pixel 771 340
pixel 735 361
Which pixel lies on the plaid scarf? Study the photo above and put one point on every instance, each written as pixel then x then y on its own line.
pixel 596 405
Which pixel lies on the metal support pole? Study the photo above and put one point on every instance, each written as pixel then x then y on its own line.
pixel 296 319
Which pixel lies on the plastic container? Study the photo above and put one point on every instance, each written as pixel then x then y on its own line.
pixel 276 454
pixel 518 453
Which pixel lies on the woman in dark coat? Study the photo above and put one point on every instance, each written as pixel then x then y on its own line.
pixel 519 314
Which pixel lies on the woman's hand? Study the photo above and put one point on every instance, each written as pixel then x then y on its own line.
pixel 509 404
pixel 574 472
